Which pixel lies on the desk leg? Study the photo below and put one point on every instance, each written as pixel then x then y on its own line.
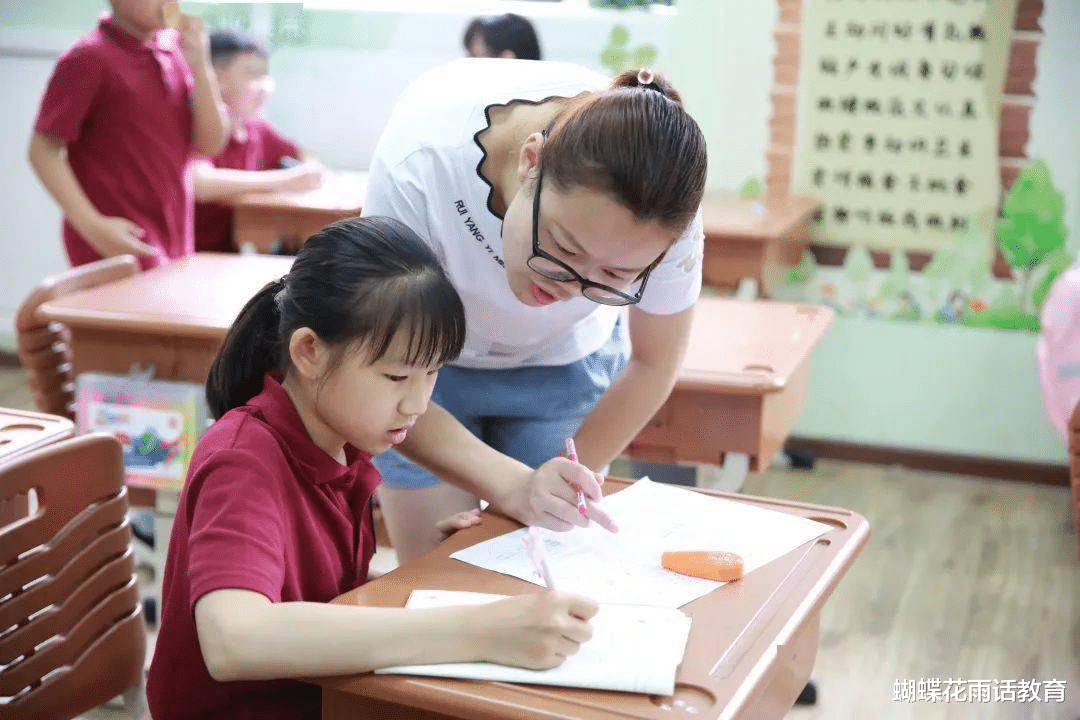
pixel 728 477
pixel 165 504
pixel 748 289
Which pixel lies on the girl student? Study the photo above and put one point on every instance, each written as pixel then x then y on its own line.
pixel 322 369
pixel 554 198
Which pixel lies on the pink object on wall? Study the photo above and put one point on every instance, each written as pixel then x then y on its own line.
pixel 1058 350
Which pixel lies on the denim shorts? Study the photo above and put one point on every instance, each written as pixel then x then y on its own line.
pixel 526 413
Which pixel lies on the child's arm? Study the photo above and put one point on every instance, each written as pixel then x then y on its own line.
pixel 109 236
pixel 244 636
pixel 213 183
pixel 210 128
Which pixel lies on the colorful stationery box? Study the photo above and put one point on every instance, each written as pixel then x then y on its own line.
pixel 157 422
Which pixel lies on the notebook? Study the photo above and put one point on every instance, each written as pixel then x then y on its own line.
pixel 634 648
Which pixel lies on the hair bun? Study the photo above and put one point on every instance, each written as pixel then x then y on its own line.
pixel 647 79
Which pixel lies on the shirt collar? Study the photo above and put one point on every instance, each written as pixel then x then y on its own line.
pixel 109 27
pixel 315 464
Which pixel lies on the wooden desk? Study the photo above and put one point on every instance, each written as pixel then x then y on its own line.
pixel 173 317
pixel 282 222
pixel 742 385
pixel 751 649
pixel 740 390
pixel 759 239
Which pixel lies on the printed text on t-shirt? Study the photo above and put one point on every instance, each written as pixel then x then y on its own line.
pixel 470 225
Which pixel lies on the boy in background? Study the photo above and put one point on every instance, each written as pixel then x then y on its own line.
pixel 257 158
pixel 123 111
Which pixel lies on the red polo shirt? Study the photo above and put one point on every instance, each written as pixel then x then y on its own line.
pixel 122 106
pixel 264 509
pixel 262 150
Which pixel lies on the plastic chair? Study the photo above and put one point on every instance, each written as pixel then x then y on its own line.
pixel 74 636
pixel 43 346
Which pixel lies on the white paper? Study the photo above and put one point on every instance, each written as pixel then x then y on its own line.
pixel 634 648
pixel 624 567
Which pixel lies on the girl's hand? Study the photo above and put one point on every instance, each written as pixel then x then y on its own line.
pixel 547 497
pixel 460 521
pixel 537 631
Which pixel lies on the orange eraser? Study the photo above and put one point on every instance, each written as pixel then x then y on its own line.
pixel 707 564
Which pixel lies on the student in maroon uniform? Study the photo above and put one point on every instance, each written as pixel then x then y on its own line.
pixel 322 369
pixel 257 157
pixel 123 111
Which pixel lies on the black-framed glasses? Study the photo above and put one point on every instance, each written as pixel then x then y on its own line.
pixel 549 266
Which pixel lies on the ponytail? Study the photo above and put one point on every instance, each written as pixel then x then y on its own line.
pixel 358 283
pixel 251 348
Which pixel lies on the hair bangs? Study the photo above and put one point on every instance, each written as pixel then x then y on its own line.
pixel 423 311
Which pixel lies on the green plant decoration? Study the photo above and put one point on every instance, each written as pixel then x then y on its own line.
pixel 805 272
pixel 752 189
pixel 618 56
pixel 1033 230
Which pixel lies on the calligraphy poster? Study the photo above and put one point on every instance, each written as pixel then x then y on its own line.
pixel 897 118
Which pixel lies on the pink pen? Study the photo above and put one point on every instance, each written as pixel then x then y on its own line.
pixel 571 454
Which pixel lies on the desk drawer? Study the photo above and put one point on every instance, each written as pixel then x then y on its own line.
pixel 173 358
pixel 700 427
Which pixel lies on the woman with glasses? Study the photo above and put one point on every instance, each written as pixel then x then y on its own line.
pixel 564 206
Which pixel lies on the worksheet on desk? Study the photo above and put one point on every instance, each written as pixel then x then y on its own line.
pixel 634 648
pixel 624 567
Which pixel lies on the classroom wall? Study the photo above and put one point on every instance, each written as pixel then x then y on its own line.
pixel 951 389
pixel 958 390
pixel 338 72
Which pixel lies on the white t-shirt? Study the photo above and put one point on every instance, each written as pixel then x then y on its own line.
pixel 425 173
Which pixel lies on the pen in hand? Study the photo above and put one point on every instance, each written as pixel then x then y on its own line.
pixel 571 454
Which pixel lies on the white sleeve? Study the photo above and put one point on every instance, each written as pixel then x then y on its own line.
pixel 398 193
pixel 674 285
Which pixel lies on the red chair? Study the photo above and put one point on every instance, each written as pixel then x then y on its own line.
pixel 69 597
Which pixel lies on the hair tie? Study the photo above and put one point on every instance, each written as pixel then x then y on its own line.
pixel 647 80
pixel 279 293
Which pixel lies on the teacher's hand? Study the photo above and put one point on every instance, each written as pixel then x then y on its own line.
pixel 547 497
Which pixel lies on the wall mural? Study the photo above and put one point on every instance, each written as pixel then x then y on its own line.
pixel 618 55
pixel 901 118
pixel 957 285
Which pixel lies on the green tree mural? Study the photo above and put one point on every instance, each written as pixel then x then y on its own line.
pixel 617 55
pixel 1033 231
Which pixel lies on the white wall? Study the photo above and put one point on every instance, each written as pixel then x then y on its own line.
pixel 31 247
pixel 335 100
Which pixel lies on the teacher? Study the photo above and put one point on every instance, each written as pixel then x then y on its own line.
pixel 555 198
